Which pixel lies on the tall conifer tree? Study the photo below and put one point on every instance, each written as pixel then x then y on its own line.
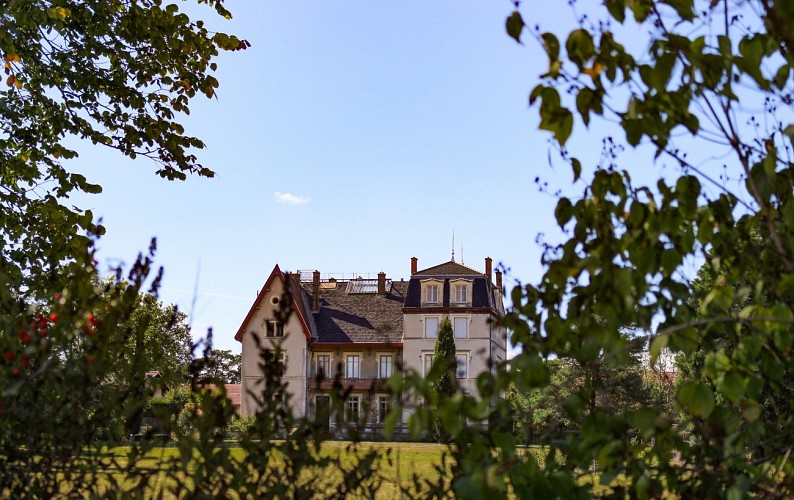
pixel 445 354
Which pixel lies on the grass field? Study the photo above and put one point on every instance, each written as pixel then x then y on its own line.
pixel 407 460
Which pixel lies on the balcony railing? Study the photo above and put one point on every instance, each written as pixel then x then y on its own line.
pixel 356 384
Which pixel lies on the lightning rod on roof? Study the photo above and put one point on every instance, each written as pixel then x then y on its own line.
pixel 453 245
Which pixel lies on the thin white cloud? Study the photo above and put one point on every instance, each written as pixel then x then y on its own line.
pixel 290 198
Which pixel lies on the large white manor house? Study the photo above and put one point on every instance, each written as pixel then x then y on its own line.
pixel 366 328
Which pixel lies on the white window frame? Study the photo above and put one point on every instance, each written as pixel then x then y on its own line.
pixel 274 329
pixel 455 319
pixel 458 357
pixel 461 294
pixel 427 362
pixel 424 326
pixel 431 293
pixel 453 291
pixel 348 357
pixel 383 410
pixel 390 364
pixel 349 402
pixel 434 284
pixel 327 371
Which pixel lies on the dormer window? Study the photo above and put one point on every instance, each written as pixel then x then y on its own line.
pixel 460 291
pixel 431 292
pixel 461 295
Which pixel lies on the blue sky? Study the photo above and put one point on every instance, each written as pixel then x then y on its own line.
pixel 350 137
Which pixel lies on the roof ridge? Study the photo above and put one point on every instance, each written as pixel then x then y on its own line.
pixel 477 271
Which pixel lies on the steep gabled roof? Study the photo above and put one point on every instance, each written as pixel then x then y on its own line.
pixel 297 299
pixel 450 268
pixel 359 318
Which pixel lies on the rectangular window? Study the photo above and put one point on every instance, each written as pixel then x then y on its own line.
pixel 461 327
pixel 386 363
pixel 431 328
pixel 461 294
pixel 383 408
pixel 353 366
pixel 323 365
pixel 351 409
pixel 428 363
pixel 431 294
pixel 463 365
pixel 274 328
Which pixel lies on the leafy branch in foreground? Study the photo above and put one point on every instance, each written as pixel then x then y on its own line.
pixel 684 95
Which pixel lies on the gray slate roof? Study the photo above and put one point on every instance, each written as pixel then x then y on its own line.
pixel 358 317
pixel 450 268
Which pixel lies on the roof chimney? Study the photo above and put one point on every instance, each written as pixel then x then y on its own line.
pixel 414 262
pixel 499 279
pixel 381 283
pixel 488 268
pixel 316 291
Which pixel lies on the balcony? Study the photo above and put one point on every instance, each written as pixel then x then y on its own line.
pixel 356 384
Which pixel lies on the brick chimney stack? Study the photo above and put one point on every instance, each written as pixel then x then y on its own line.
pixel 381 283
pixel 499 279
pixel 488 269
pixel 414 262
pixel 316 291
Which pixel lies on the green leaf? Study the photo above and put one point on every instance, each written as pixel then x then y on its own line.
pixel 663 69
pixel 696 398
pixel 552 46
pixel 732 385
pixel 586 100
pixel 643 419
pixel 576 166
pixel 657 345
pixel 751 410
pixel 617 9
pixel 553 117
pixel 789 132
pixel 563 212
pixel 781 77
pixel 515 25
pixel 392 419
pixel 684 8
pixel 640 8
pixel 580 47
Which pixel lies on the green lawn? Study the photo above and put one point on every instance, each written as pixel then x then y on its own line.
pixel 407 460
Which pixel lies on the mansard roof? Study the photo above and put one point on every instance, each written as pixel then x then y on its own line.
pixel 482 295
pixel 357 318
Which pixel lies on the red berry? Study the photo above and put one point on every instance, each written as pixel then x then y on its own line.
pixel 57 296
pixel 25 361
pixel 15 372
pixel 53 317
pixel 89 359
pixel 91 318
pixel 24 336
pixel 9 355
